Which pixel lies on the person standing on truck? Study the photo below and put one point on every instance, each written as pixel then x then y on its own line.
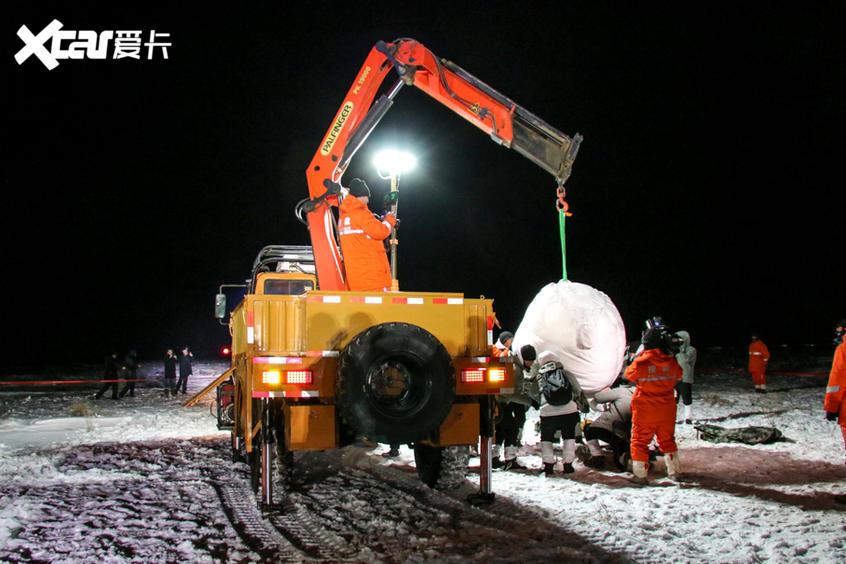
pixel 361 235
pixel 170 363
pixel 130 369
pixel 185 370
pixel 110 372
pixel 759 356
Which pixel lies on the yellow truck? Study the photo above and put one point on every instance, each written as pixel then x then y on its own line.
pixel 316 366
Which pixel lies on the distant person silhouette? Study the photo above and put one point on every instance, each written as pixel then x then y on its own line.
pixel 759 356
pixel 185 370
pixel 130 368
pixel 170 362
pixel 110 372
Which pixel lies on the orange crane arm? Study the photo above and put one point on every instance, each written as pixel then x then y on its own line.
pixel 507 123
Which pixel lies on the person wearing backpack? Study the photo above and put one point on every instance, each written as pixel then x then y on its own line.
pixel 558 411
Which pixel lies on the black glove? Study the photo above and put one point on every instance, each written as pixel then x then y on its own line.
pixel 831 415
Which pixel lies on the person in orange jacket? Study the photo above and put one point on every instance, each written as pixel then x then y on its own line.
pixel 361 235
pixel 759 356
pixel 502 346
pixel 655 373
pixel 835 391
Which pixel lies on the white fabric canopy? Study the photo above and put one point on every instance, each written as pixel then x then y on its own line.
pixel 581 326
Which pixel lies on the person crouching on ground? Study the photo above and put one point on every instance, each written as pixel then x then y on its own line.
pixel 654 373
pixel 613 426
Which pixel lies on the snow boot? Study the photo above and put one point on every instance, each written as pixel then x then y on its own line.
pixel 496 462
pixel 548 458
pixel 639 469
pixel 393 452
pixel 673 466
pixel 512 465
pixel 569 455
pixel 597 462
pixel 688 415
pixel 594 448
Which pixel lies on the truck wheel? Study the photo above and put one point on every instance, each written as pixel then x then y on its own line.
pixel 442 468
pixel 395 383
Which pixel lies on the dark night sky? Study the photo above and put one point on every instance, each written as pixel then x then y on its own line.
pixel 708 188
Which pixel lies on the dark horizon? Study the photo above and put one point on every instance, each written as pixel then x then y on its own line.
pixel 707 189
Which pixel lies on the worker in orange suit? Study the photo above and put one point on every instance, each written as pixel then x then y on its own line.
pixel 835 391
pixel 361 234
pixel 502 346
pixel 759 356
pixel 655 373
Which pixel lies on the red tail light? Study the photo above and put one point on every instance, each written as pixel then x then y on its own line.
pixel 299 377
pixel 473 375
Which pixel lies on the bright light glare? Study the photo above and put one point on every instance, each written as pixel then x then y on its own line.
pixel 496 375
pixel 270 377
pixel 393 163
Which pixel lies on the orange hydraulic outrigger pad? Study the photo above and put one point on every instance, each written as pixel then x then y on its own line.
pixel 507 123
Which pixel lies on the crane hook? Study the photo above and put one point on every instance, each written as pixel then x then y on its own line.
pixel 560 204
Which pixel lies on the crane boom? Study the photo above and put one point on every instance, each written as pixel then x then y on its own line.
pixel 507 123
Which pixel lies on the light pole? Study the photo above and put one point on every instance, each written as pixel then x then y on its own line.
pixel 391 164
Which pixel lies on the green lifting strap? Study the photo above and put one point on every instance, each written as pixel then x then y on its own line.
pixel 561 218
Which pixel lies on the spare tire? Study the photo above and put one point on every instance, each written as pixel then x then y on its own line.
pixel 395 383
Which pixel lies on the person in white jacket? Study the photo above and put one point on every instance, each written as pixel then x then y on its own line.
pixel 558 412
pixel 613 426
pixel 686 358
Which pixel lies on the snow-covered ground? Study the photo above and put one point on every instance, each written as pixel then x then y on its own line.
pixel 85 480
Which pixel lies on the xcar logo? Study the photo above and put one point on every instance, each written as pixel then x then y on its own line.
pixel 337 128
pixel 84 44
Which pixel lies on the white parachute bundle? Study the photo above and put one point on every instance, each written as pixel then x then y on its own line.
pixel 581 326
